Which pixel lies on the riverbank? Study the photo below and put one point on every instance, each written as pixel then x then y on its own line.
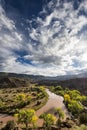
pixel 54 101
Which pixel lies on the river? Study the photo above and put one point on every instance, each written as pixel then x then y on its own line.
pixel 54 101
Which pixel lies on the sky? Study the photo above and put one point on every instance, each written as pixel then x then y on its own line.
pixel 43 37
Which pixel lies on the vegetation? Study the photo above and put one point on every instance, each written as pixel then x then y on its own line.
pixel 27 117
pixel 82 127
pixel 83 118
pixel 60 116
pixel 25 101
pixel 74 102
pixel 11 125
pixel 49 120
pixel 24 97
pixel 75 107
pixel 72 98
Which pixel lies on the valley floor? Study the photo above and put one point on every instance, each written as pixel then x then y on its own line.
pixel 54 101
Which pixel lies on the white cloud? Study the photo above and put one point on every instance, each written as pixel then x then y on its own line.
pixel 83 6
pixel 55 47
pixel 10 41
pixel 4 21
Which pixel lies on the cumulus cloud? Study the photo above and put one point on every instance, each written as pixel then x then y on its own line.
pixel 59 40
pixel 10 40
pixel 56 46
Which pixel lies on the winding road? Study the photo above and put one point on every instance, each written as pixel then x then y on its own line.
pixel 54 101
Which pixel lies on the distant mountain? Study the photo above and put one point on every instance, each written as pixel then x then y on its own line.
pixel 21 80
pixel 40 77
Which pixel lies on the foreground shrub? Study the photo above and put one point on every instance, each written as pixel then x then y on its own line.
pixel 60 116
pixel 49 120
pixel 82 127
pixel 83 118
pixel 75 107
pixel 11 125
pixel 27 117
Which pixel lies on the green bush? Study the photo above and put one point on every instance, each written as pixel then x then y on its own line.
pixel 9 126
pixel 82 127
pixel 83 118
pixel 58 88
pixel 75 107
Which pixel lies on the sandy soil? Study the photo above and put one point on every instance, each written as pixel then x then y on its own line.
pixel 5 118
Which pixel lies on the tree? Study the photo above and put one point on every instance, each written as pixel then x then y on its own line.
pixel 26 117
pixel 49 120
pixel 75 107
pixel 73 94
pixel 82 98
pixel 34 121
pixel 60 116
pixel 66 98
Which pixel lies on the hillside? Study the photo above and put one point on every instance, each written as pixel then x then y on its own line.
pixel 22 80
pixel 10 82
pixel 22 92
pixel 77 83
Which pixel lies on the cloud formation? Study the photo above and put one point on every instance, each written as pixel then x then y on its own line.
pixel 57 45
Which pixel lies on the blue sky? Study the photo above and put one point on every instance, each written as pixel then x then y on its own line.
pixel 43 37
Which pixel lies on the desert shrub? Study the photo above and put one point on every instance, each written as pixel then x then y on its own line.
pixel 58 88
pixel 60 92
pixel 9 126
pixel 73 94
pixel 27 117
pixel 82 127
pixel 49 120
pixel 1 103
pixel 75 107
pixel 34 94
pixel 67 98
pixel 84 102
pixel 83 118
pixel 38 102
pixel 60 116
